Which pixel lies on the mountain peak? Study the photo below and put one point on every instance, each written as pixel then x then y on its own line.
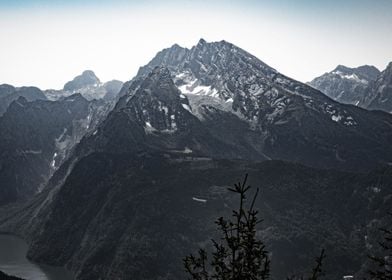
pixel 201 42
pixel 87 78
pixel 6 89
pixel 176 46
pixel 367 72
pixel 342 68
pixel 89 73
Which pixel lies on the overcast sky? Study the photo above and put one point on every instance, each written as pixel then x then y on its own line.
pixel 46 43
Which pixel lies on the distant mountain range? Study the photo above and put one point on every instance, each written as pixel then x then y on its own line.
pixel 87 84
pixel 140 188
pixel 364 86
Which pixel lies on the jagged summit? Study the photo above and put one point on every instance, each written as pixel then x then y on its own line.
pixel 201 42
pixel 367 72
pixel 210 57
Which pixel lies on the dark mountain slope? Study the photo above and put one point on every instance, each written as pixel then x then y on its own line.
pixel 35 139
pixel 120 215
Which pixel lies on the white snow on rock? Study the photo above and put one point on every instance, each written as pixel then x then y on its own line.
pixel 336 118
pixel 199 200
pixel 186 107
pixel 195 87
pixel 53 164
pixel 353 77
pixel 148 128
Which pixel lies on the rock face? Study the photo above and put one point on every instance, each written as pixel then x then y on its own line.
pixel 36 137
pixel 380 94
pixel 347 85
pixel 142 190
pixel 9 93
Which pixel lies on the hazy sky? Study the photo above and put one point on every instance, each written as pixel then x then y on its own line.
pixel 47 42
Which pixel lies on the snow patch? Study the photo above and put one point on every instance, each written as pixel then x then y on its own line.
pixel 199 200
pixel 186 107
pixel 194 87
pixel 148 128
pixel 336 118
pixel 353 77
pixel 53 164
pixel 376 189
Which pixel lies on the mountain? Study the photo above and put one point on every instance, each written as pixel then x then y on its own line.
pixel 347 85
pixel 364 86
pixel 380 93
pixel 142 190
pixel 87 78
pixel 9 93
pixel 273 116
pixel 89 86
pixel 36 138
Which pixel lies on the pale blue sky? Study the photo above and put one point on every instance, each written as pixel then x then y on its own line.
pixel 46 43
